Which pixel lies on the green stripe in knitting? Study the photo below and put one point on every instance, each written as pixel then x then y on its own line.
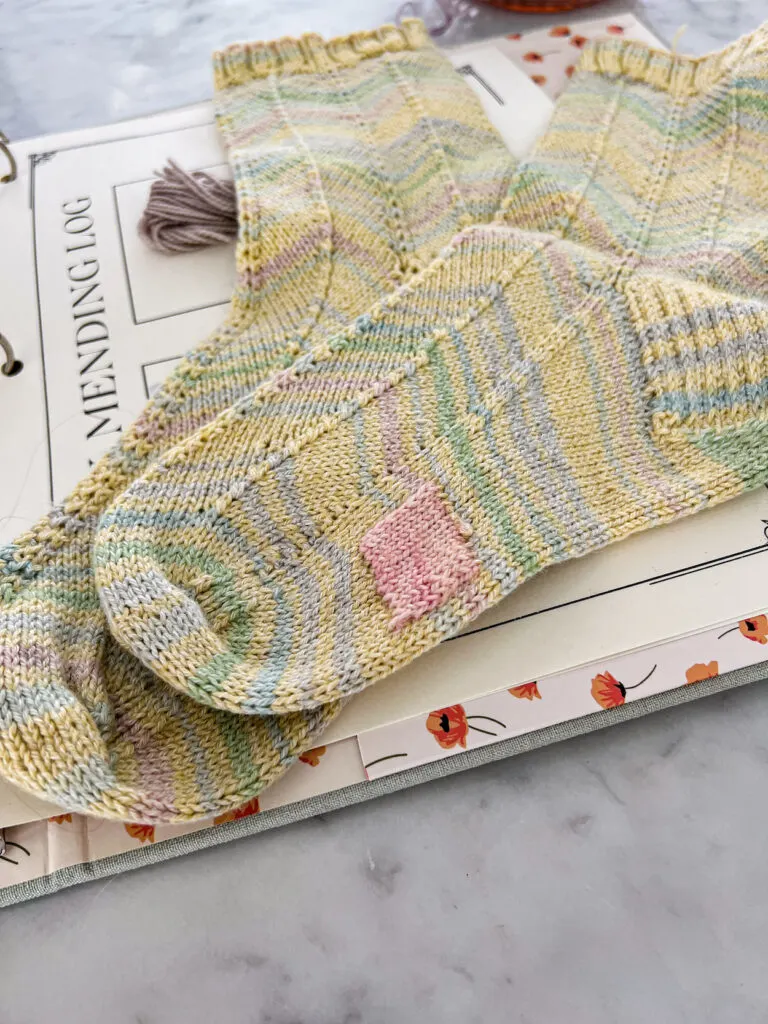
pixel 741 449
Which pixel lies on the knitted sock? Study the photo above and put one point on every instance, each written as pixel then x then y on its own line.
pixel 354 161
pixel 527 400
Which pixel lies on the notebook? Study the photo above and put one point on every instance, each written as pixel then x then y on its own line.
pixel 661 618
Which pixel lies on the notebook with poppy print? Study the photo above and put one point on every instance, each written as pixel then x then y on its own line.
pixel 549 56
pixel 662 618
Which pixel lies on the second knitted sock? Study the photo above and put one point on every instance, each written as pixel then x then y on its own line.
pixel 355 161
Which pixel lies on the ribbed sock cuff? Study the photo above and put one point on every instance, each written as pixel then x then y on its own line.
pixel 311 54
pixel 675 73
pixel 703 353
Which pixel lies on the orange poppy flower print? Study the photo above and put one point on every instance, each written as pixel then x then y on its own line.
pixel 754 628
pixel 580 41
pixel 569 70
pixel 252 807
pixel 609 692
pixel 449 726
pixel 699 672
pixel 528 691
pixel 539 79
pixel 515 35
pixel 59 819
pixel 312 757
pixel 533 58
pixel 615 30
pixel 559 31
pixel 144 833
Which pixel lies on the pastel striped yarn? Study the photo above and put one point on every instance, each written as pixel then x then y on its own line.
pixel 592 363
pixel 355 161
pixel 539 394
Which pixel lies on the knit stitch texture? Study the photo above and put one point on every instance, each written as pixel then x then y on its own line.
pixel 593 365
pixel 355 161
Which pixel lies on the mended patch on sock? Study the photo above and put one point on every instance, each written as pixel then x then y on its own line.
pixel 419 555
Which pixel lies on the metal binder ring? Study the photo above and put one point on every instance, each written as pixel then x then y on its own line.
pixel 5 148
pixel 12 365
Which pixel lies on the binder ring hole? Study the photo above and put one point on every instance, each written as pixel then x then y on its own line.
pixel 5 148
pixel 12 365
pixel 11 369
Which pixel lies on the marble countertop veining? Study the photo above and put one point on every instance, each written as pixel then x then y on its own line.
pixel 619 878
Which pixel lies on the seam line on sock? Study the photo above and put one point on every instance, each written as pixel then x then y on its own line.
pixel 721 192
pixel 393 216
pixel 422 116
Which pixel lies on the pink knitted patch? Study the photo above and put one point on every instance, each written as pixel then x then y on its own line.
pixel 419 556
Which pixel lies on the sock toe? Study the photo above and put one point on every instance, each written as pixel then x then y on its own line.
pixel 243 614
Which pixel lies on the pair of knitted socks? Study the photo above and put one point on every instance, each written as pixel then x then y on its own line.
pixel 592 363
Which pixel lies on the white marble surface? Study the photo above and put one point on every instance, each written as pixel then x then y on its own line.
pixel 72 63
pixel 616 879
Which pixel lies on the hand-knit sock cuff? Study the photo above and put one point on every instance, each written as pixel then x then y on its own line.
pixel 675 73
pixel 311 54
pixel 362 169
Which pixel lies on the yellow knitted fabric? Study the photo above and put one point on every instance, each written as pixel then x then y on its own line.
pixel 593 364
pixel 354 161
pixel 531 397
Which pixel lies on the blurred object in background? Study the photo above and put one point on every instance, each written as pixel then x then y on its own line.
pixel 541 6
pixel 451 11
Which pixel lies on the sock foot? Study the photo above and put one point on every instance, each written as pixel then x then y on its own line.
pixel 517 435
